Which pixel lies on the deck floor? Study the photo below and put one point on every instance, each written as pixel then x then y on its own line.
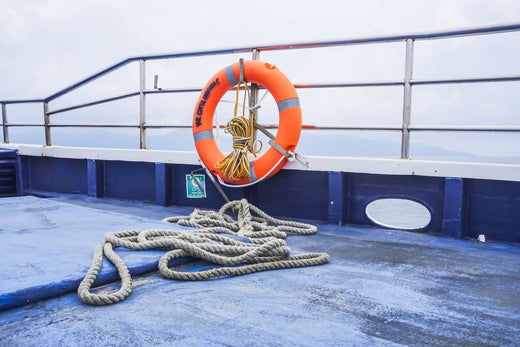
pixel 381 287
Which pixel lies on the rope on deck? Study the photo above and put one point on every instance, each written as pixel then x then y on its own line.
pixel 264 250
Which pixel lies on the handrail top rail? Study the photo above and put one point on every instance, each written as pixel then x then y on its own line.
pixel 483 30
pixel 384 166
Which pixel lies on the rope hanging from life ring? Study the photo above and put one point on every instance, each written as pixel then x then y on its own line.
pixel 236 164
pixel 243 166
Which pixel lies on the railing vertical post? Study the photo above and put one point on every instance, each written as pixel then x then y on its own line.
pixel 4 124
pixel 47 123
pixel 142 105
pixel 253 99
pixel 407 100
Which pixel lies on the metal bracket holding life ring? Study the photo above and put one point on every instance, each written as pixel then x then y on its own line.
pixel 290 119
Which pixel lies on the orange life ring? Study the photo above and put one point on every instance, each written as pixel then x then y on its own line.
pixel 290 118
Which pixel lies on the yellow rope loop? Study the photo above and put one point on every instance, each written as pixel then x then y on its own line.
pixel 235 165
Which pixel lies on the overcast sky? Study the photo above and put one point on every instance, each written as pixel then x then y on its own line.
pixel 46 45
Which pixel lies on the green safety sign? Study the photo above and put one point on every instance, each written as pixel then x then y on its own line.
pixel 192 188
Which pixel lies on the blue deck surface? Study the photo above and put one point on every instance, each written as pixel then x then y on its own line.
pixel 49 246
pixel 381 287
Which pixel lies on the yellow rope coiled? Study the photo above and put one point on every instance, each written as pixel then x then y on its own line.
pixel 235 165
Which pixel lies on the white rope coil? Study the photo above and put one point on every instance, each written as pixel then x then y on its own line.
pixel 264 250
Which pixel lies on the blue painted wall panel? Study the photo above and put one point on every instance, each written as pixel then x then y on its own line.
pixel 337 198
pixel 213 200
pixel 493 209
pixel 57 174
pixel 130 180
pixel 453 207
pixel 95 178
pixel 301 194
pixel 24 161
pixel 162 180
pixel 488 207
pixel 164 184
pixel 290 193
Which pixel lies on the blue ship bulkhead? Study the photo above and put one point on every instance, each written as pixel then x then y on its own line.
pixel 460 208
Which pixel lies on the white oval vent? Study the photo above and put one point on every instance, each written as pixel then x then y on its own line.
pixel 398 214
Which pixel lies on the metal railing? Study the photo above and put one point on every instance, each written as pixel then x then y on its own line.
pixel 407 83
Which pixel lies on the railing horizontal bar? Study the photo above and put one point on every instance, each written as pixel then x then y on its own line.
pixel 298 85
pixel 354 127
pixel 304 127
pixel 484 128
pixel 102 101
pixel 89 79
pixel 197 53
pixel 158 126
pixel 28 101
pixel 467 80
pixel 159 91
pixel 336 127
pixel 373 127
pixel 344 85
pixel 403 37
pixel 23 125
pixel 467 32
pixel 387 38
pixel 376 39
pixel 93 126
